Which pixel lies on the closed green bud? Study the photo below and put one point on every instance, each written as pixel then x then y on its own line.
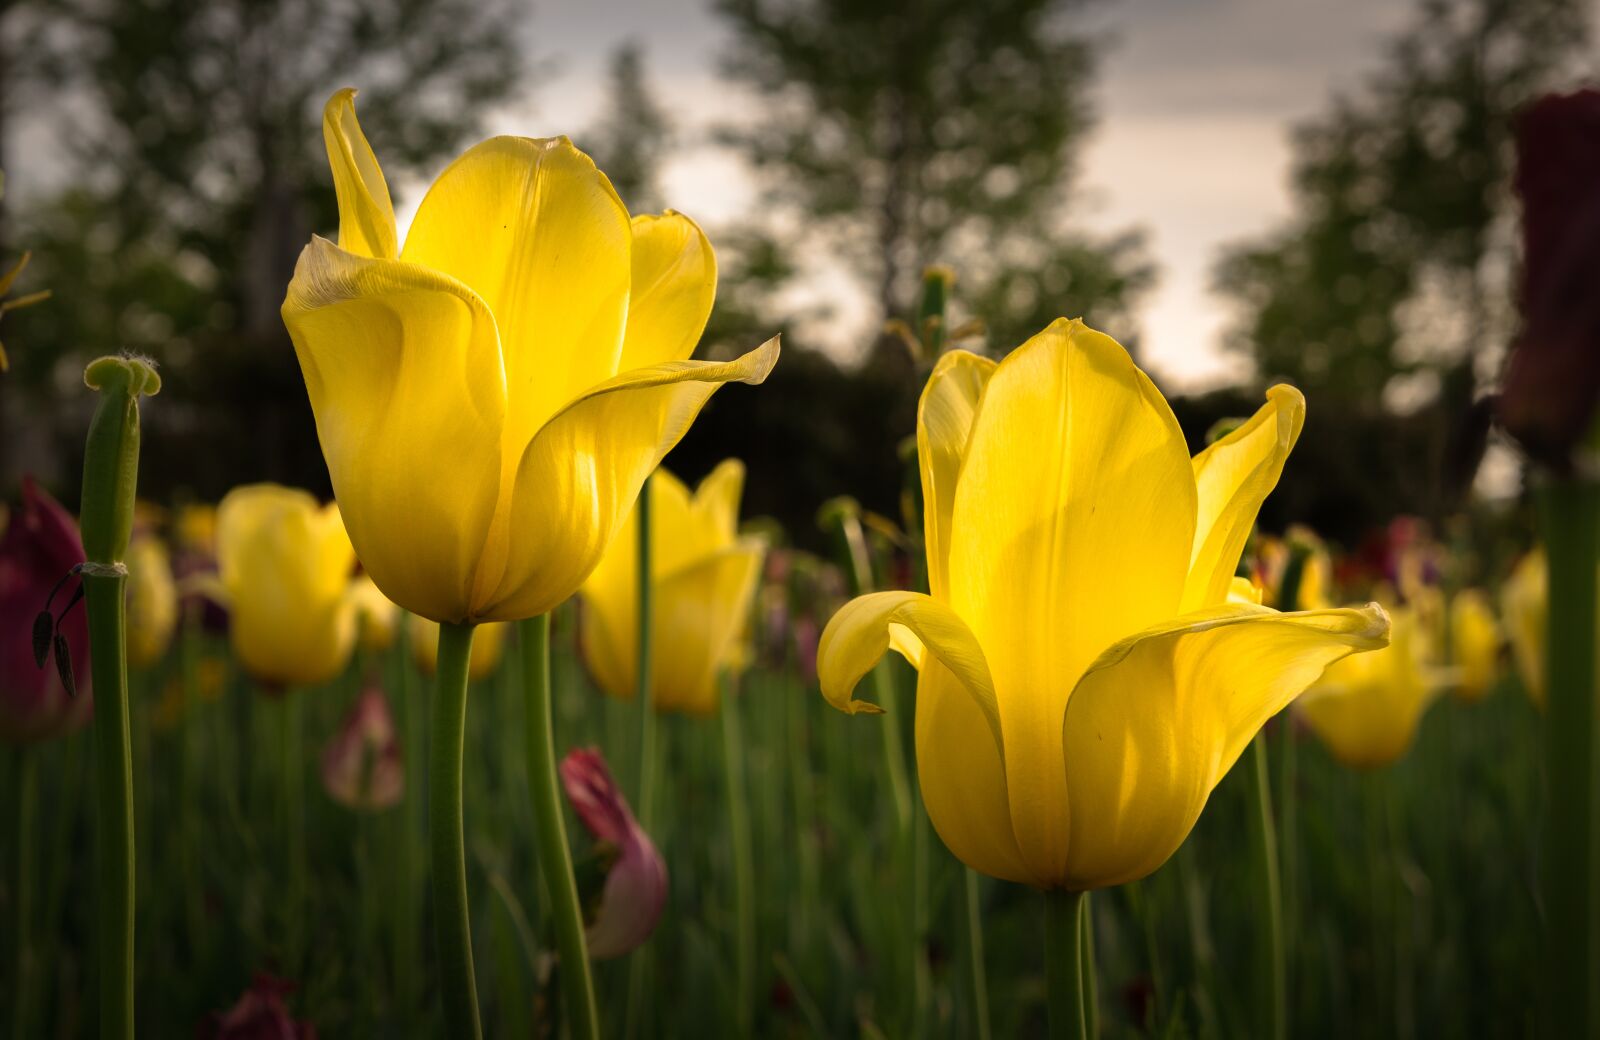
pixel 111 456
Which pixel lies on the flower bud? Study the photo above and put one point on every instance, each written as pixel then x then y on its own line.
pixel 39 548
pixel 635 888
pixel 1552 381
pixel 111 456
pixel 362 767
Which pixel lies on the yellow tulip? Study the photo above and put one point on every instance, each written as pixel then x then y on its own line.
pixel 284 565
pixel 1475 642
pixel 377 617
pixel 152 601
pixel 488 646
pixel 1524 604
pixel 490 397
pixel 1366 708
pixel 1084 679
pixel 703 579
pixel 196 528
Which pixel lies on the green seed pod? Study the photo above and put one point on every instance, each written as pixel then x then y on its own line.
pixel 111 456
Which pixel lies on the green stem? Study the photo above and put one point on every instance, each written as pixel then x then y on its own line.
pixel 22 894
pixel 452 914
pixel 980 981
pixel 644 804
pixel 293 825
pixel 744 896
pixel 1270 983
pixel 105 595
pixel 1063 957
pixel 550 833
pixel 1571 520
pixel 1091 988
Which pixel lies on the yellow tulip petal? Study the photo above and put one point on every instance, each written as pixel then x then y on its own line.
pixel 285 562
pixel 674 283
pixel 699 613
pixel 1072 527
pixel 859 634
pixel 945 413
pixel 716 502
pixel 582 472
pixel 1525 606
pixel 366 214
pixel 962 775
pixel 403 369
pixel 540 236
pixel 1159 718
pixel 1475 639
pixel 1366 708
pixel 1232 478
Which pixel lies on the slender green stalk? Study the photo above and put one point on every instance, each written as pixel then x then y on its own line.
pixel 1571 521
pixel 22 893
pixel 1091 986
pixel 1270 986
pixel 550 834
pixel 979 976
pixel 293 828
pixel 744 895
pixel 452 914
pixel 644 662
pixel 104 595
pixel 1064 969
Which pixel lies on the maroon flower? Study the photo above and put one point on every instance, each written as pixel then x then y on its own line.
pixel 37 549
pixel 635 890
pixel 361 766
pixel 260 1014
pixel 1552 382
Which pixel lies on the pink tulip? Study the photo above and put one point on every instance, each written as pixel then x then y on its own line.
pixel 636 880
pixel 260 1014
pixel 37 549
pixel 361 766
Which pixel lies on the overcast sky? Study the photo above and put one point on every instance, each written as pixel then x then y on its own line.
pixel 1195 97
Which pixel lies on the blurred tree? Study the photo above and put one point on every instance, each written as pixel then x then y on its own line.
pixel 902 135
pixel 1390 289
pixel 630 142
pixel 195 173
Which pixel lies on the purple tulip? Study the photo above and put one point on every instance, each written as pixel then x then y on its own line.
pixel 37 549
pixel 260 1014
pixel 635 888
pixel 1552 382
pixel 361 766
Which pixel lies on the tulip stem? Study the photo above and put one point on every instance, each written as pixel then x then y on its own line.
pixel 1091 987
pixel 22 893
pixel 550 834
pixel 1271 982
pixel 1064 967
pixel 1571 520
pixel 744 896
pixel 452 913
pixel 643 663
pixel 104 596
pixel 980 979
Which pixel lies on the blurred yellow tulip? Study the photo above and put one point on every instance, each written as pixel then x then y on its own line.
pixel 1366 708
pixel 1084 680
pixel 488 646
pixel 491 397
pixel 152 601
pixel 377 617
pixel 284 564
pixel 1474 643
pixel 703 579
pixel 1524 604
pixel 195 528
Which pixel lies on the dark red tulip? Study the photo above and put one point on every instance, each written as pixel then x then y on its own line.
pixel 635 890
pixel 39 548
pixel 361 766
pixel 260 1014
pixel 1552 382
